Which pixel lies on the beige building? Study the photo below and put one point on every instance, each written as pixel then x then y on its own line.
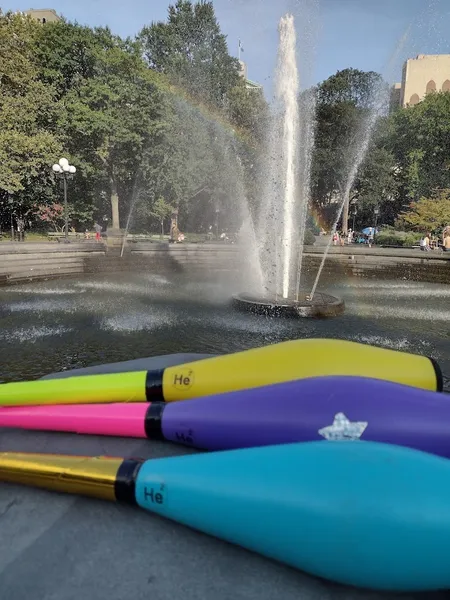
pixel 396 95
pixel 251 85
pixel 43 15
pixel 242 69
pixel 422 75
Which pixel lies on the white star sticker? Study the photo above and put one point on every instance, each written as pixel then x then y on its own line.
pixel 343 429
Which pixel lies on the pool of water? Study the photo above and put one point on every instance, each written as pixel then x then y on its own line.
pixel 72 323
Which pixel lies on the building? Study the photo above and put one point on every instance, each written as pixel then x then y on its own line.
pixel 43 15
pixel 422 75
pixel 251 85
pixel 396 96
pixel 242 69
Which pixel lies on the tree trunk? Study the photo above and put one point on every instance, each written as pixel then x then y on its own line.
pixel 114 205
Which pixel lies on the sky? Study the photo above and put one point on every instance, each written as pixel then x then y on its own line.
pixel 375 35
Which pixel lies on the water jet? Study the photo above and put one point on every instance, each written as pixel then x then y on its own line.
pixel 282 220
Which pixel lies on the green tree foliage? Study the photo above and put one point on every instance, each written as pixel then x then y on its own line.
pixel 184 157
pixel 408 158
pixel 376 185
pixel 248 110
pixel 179 167
pixel 343 103
pixel 192 51
pixel 167 115
pixel 205 158
pixel 335 135
pixel 428 214
pixel 113 108
pixel 421 144
pixel 68 53
pixel 350 86
pixel 388 236
pixel 27 108
pixel 161 210
pixel 137 133
pixel 113 120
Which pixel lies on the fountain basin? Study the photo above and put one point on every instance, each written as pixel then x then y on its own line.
pixel 321 306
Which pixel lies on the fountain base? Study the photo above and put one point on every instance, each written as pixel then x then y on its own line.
pixel 321 306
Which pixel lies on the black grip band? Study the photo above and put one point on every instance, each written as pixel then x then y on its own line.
pixel 154 385
pixel 439 376
pixel 153 421
pixel 125 484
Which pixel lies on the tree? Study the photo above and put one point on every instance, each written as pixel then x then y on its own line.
pixel 248 110
pixel 350 86
pixel 335 135
pixel 68 53
pixel 192 51
pixel 428 214
pixel 421 144
pixel 53 214
pixel 133 132
pixel 376 185
pixel 114 119
pixel 199 166
pixel 184 158
pixel 161 210
pixel 112 110
pixel 344 102
pixel 27 106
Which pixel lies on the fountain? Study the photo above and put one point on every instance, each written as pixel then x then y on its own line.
pixel 282 219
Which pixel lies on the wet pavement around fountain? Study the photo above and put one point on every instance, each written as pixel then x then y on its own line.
pixel 63 546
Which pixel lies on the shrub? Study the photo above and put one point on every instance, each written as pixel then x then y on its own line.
pixel 389 237
pixel 309 238
pixel 428 214
pixel 412 239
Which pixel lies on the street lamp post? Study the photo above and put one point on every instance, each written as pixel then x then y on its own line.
pixel 376 212
pixel 65 171
pixel 355 211
pixel 174 225
pixel 217 211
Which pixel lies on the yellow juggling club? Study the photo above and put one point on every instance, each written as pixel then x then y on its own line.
pixel 258 367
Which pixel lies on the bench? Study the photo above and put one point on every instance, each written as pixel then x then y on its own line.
pixel 59 235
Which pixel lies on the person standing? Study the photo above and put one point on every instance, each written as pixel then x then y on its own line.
pixel 445 235
pixel 447 242
pixel 98 232
pixel 20 229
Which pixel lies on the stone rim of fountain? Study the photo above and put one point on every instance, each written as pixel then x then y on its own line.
pixel 321 306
